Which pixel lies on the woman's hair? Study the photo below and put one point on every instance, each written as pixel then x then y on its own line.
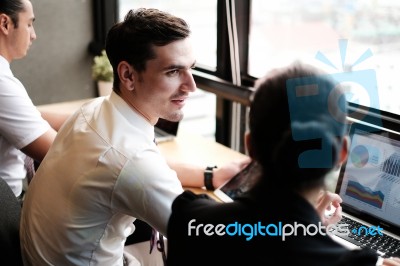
pixel 12 8
pixel 297 124
pixel 132 40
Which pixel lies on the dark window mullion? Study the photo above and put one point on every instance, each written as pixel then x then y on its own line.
pixel 105 14
pixel 223 115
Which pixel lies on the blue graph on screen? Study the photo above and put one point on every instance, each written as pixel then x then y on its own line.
pixel 365 194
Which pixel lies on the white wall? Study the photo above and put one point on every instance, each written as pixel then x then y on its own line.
pixel 58 65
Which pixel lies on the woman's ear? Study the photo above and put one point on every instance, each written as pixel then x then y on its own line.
pixel 345 149
pixel 247 142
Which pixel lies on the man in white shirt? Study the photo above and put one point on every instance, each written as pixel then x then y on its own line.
pixel 104 170
pixel 23 129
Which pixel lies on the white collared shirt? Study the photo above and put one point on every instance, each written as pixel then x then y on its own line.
pixel 102 172
pixel 20 124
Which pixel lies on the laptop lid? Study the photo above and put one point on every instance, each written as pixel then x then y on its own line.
pixel 369 181
pixel 165 130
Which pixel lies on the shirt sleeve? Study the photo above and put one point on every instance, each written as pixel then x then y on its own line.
pixel 146 189
pixel 20 121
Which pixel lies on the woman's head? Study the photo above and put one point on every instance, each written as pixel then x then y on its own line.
pixel 297 125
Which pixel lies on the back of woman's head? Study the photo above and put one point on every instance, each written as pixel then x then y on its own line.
pixel 297 124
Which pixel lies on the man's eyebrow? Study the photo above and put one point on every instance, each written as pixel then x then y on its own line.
pixel 173 67
pixel 179 66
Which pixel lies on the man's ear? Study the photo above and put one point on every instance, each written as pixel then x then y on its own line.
pixel 126 75
pixel 4 22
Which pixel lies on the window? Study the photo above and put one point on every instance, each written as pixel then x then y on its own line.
pixel 200 15
pixel 254 36
pixel 284 31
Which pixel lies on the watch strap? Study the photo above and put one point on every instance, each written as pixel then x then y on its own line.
pixel 208 177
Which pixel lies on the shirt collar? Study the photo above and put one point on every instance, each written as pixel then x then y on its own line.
pixel 132 115
pixel 5 66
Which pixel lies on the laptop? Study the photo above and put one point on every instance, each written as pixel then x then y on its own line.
pixel 165 130
pixel 369 184
pixel 238 184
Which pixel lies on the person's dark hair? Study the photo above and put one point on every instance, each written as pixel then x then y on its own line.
pixel 319 119
pixel 12 8
pixel 132 40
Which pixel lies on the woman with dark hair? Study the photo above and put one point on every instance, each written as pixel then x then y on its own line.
pixel 297 136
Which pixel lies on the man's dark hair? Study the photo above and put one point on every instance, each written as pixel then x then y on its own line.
pixel 133 39
pixel 12 8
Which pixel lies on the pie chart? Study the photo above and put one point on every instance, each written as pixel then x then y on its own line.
pixel 359 156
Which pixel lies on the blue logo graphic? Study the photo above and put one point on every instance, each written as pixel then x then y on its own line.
pixel 278 229
pixel 368 231
pixel 315 96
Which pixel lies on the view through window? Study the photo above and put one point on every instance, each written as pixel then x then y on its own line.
pixel 284 31
pixel 201 17
pixel 353 36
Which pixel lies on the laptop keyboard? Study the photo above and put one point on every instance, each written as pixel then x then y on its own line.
pixel 386 246
pixel 159 134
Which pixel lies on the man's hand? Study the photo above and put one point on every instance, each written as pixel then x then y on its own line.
pixel 225 172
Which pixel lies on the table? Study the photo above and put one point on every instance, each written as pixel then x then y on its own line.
pixel 63 107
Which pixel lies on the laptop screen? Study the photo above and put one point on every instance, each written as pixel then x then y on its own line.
pixel 165 130
pixel 369 182
pixel 167 126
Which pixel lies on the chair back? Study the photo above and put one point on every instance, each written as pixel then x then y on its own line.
pixel 10 214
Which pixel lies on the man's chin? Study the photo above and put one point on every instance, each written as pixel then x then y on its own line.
pixel 175 117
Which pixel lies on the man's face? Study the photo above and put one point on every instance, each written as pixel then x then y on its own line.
pixel 162 89
pixel 21 37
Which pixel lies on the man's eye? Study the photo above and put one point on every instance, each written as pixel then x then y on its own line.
pixel 172 72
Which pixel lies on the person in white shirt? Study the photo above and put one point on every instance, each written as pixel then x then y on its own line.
pixel 104 170
pixel 23 129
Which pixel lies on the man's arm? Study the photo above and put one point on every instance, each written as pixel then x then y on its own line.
pixel 193 175
pixel 38 148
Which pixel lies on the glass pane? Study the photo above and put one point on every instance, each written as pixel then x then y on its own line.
pixel 201 17
pixel 284 31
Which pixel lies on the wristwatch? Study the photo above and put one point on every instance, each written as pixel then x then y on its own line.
pixel 208 177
